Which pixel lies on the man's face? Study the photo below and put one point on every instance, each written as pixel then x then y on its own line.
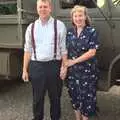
pixel 43 9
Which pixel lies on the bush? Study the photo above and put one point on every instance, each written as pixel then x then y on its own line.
pixel 6 9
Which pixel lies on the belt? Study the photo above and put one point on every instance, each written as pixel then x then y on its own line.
pixel 51 61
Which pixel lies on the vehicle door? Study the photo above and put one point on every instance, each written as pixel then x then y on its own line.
pixel 115 9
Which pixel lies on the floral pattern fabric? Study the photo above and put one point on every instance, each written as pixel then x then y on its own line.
pixel 82 77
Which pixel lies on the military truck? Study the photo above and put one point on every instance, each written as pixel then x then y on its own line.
pixel 15 15
pixel 105 16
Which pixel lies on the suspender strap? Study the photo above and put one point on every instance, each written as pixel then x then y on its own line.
pixel 55 38
pixel 33 40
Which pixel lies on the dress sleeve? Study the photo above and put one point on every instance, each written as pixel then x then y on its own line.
pixel 69 36
pixel 94 41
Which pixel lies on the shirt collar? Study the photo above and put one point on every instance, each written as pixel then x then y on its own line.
pixel 49 20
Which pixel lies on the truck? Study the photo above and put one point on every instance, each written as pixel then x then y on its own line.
pixel 105 15
pixel 15 15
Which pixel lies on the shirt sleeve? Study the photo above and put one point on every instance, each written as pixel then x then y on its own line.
pixel 94 41
pixel 63 39
pixel 28 43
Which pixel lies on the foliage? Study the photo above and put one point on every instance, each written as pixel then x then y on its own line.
pixel 116 2
pixel 6 9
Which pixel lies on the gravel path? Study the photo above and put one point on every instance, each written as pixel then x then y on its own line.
pixel 16 99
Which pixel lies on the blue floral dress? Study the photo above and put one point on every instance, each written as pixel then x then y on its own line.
pixel 82 77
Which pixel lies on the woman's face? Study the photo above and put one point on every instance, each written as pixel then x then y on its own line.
pixel 79 18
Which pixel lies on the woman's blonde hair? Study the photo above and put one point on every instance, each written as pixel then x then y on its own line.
pixel 78 8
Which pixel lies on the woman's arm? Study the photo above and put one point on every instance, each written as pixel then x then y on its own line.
pixel 87 55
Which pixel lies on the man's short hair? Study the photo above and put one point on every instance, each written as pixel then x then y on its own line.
pixel 45 1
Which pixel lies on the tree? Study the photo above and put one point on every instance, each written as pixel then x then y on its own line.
pixel 6 9
pixel 116 2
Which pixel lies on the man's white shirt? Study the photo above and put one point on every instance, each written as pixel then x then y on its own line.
pixel 44 40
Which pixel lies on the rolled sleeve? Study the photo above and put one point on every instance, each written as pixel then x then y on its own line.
pixel 94 41
pixel 28 44
pixel 63 40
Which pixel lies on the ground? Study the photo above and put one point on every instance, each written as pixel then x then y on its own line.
pixel 16 103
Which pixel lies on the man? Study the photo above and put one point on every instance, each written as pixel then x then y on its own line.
pixel 43 60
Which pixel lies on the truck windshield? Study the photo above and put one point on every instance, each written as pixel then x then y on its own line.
pixel 88 3
pixel 8 7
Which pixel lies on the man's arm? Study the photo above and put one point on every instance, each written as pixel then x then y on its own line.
pixel 27 53
pixel 26 61
pixel 63 71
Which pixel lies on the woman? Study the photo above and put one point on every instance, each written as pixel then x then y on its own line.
pixel 82 44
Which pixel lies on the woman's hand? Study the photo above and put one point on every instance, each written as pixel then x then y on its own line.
pixel 64 67
pixel 71 62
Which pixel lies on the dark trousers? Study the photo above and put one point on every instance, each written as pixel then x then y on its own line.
pixel 45 76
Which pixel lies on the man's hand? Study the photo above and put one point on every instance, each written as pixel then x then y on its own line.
pixel 63 73
pixel 25 76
